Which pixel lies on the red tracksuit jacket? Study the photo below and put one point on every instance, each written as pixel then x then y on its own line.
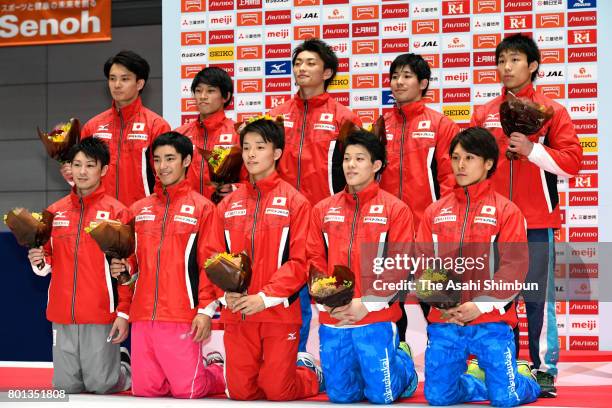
pixel 418 170
pixel 214 131
pixel 531 182
pixel 269 220
pixel 465 223
pixel 82 290
pixel 129 133
pixel 351 229
pixel 177 229
pixel 312 160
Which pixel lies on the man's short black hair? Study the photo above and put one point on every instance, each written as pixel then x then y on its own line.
pixel 324 51
pixel 269 130
pixel 93 148
pixel 522 44
pixel 181 143
pixel 417 64
pixel 217 77
pixel 371 143
pixel 478 141
pixel 132 61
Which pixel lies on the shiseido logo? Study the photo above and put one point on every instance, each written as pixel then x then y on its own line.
pixel 278 51
pixel 221 37
pixel 587 54
pixel 456 95
pixel 582 90
pixel 585 126
pixel 336 31
pixel 395 11
pixel 517 6
pixel 395 45
pixel 218 5
pixel 584 343
pixel 456 60
pixel 278 17
pixel 451 25
pixel 585 18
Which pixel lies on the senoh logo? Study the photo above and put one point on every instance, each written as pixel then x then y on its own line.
pixel 584 197
pixel 585 126
pixel 365 47
pixel 250 85
pixel 220 5
pixel 584 181
pixel 584 343
pixel 513 5
pixel 365 81
pixel 306 32
pixel 221 37
pixel 395 11
pixel 518 22
pixel 585 54
pixel 486 76
pixel 278 84
pixel 487 40
pixel 584 271
pixel 455 25
pixel 193 6
pixel 365 29
pixel 550 20
pixel 589 163
pixel 456 95
pixel 577 37
pixel 278 17
pixel 190 71
pixel 582 18
pixel 189 105
pixel 457 7
pixel 272 101
pixel 193 38
pixel 336 31
pixel 554 91
pixel 552 55
pixel 425 26
pixel 248 4
pixel 456 60
pixel 582 90
pixel 251 18
pixel 483 59
pixel 395 45
pixel 278 51
pixel 365 12
pixel 249 51
pixel 487 6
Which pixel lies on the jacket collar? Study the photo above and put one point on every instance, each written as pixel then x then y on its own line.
pixel 129 110
pixel 528 91
pixel 475 191
pixel 411 109
pixel 364 195
pixel 318 100
pixel 212 121
pixel 94 196
pixel 264 185
pixel 173 191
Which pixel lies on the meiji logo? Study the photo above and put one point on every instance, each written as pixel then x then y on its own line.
pixel 552 91
pixel 336 31
pixel 253 18
pixel 590 163
pixel 193 38
pixel 365 29
pixel 218 20
pixel 218 5
pixel 584 271
pixel 455 25
pixel 425 26
pixel 278 51
pixel 586 126
pixel 481 59
pixel 487 6
pixel 582 90
pixel 395 28
pixel 589 108
pixel 486 76
pixel 586 54
pixel 512 6
pixel 456 60
pixel 278 17
pixel 395 11
pixel 221 37
pixel 584 343
pixel 456 7
pixel 396 45
pixel 277 34
pixel 457 77
pixel 584 324
pixel 340 47
pixel 552 56
pixel 305 32
pixel 250 85
pixel 486 40
pixel 365 12
pixel 518 22
pixel 454 95
pixel 365 47
pixel 248 4
pixel 249 51
pixel 577 37
pixel 554 20
pixel 583 18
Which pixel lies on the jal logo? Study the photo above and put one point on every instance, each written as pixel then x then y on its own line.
pixel 193 38
pixel 310 16
pixel 487 6
pixel 253 18
pixel 450 8
pixel 281 201
pixel 425 44
pixel 376 209
pixel 187 209
pixel 514 5
pixel 577 37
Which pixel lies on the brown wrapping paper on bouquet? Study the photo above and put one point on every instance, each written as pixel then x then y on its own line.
pixel 332 291
pixel 59 141
pixel 229 272
pixel 224 166
pixel 116 240
pixel 30 230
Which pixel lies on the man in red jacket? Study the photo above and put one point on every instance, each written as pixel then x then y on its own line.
pixel 212 90
pixel 418 137
pixel 464 225
pixel 88 310
pixel 360 351
pixel 129 129
pixel 531 183
pixel 311 161
pixel 268 219
pixel 176 230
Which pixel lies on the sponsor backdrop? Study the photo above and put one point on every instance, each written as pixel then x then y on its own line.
pixel 253 39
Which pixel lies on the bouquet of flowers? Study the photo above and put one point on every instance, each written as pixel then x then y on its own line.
pixel 224 165
pixel 58 141
pixel 229 272
pixel 332 291
pixel 523 116
pixel 444 298
pixel 32 230
pixel 116 240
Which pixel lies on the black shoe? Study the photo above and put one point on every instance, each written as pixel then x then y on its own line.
pixel 547 385
pixel 125 356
